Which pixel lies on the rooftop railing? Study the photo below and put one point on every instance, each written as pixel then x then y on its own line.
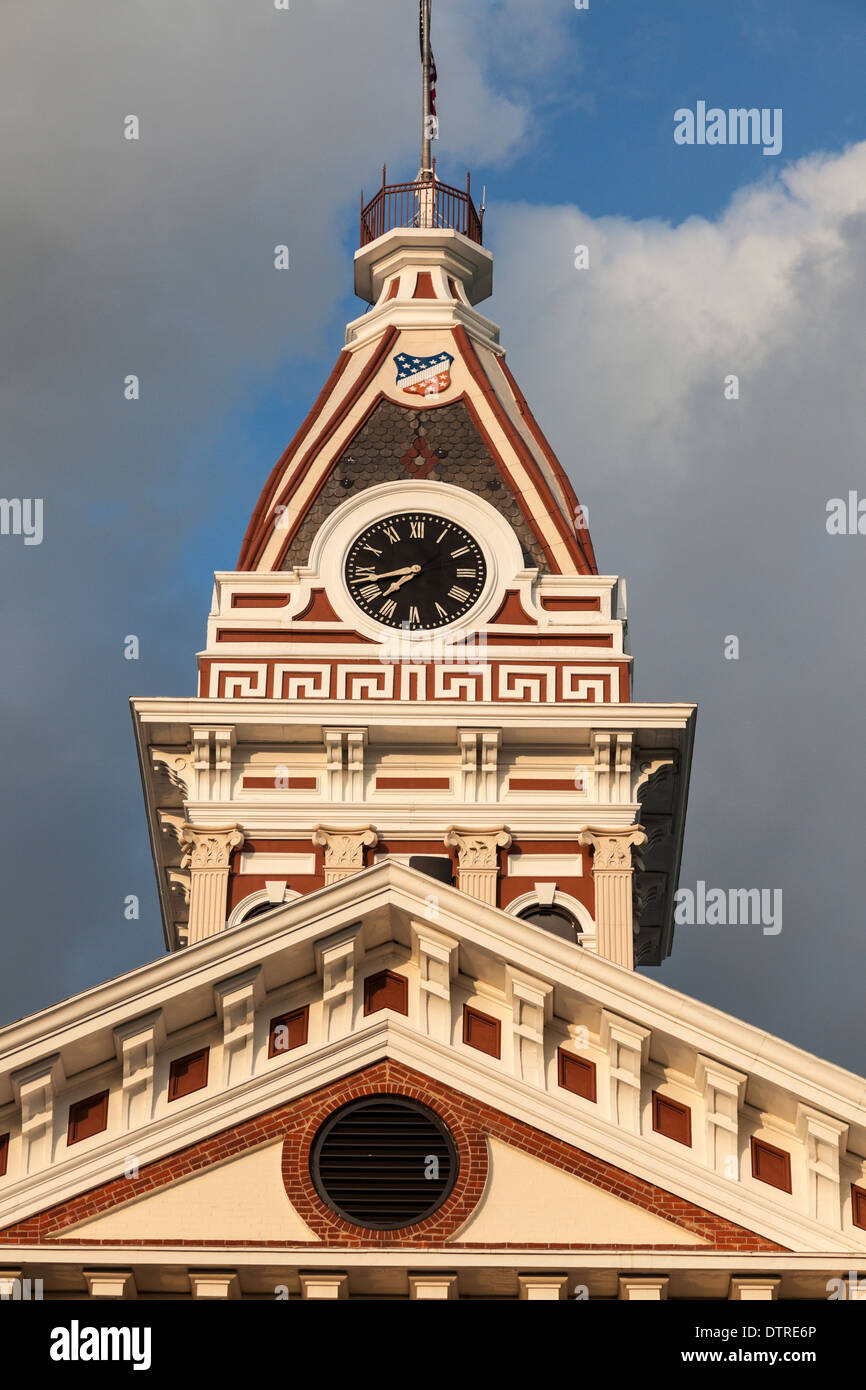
pixel 423 203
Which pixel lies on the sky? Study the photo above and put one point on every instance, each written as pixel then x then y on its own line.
pixel 259 127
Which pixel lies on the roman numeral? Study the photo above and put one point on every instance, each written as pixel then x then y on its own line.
pixel 441 611
pixel 371 591
pixel 458 593
pixel 414 616
pixel 416 530
pixel 466 574
pixel 372 549
pixel 464 550
pixel 388 608
pixel 391 532
pixel 443 533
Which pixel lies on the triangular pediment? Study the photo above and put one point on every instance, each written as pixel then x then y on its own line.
pixel 241 1200
pixel 529 1201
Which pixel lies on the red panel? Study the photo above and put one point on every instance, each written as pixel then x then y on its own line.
pixel 539 784
pixel 417 783
pixel 87 1117
pixel 481 1031
pixel 771 1165
pixel 858 1205
pixel 672 1120
pixel 188 1074
pixel 4 1154
pixel 289 1031
pixel 577 1074
pixel 277 783
pixel 387 990
pixel 424 286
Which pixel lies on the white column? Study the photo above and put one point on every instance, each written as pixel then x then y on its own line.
pixel 430 1286
pixel 437 966
pixel 10 1284
pixel 754 1290
pixel 468 742
pixel 825 1140
pixel 207 856
pixel 214 1283
pixel 236 1000
pixel 344 849
pixel 356 742
pixel 531 1006
pixel 136 1044
pixel 490 741
pixel 478 860
pixel 324 1285
pixel 601 747
pixel 643 1289
pixel 334 763
pixel 110 1283
pixel 224 740
pixel 724 1090
pixel 613 879
pixel 35 1089
pixel 335 961
pixel 627 1046
pixel 542 1287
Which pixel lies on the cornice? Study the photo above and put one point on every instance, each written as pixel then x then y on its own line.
pixel 301 922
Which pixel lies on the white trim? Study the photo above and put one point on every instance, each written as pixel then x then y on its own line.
pixel 263 895
pixel 586 925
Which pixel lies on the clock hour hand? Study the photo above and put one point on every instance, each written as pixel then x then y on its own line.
pixel 408 570
pixel 398 583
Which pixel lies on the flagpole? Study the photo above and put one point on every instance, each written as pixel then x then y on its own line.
pixel 426 160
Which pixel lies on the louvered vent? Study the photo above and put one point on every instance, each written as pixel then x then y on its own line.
pixel 383 1162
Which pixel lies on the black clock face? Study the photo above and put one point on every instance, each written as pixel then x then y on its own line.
pixel 415 570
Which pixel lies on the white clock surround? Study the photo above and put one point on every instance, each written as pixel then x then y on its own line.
pixel 501 549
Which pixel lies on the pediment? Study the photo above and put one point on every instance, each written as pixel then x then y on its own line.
pixel 529 1201
pixel 241 1200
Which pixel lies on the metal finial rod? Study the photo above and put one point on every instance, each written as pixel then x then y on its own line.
pixel 426 128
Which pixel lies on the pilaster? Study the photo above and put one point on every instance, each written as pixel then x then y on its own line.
pixel 207 856
pixel 478 860
pixel 613 877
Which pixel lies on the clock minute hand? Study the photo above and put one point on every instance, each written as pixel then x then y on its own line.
pixel 408 570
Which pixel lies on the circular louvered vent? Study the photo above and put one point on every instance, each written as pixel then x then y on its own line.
pixel 383 1162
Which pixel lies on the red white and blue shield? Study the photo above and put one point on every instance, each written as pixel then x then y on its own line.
pixel 424 376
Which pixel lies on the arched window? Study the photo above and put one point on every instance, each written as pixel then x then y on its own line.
pixel 553 919
pixel 256 904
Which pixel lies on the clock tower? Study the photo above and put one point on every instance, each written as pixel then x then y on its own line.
pixel 416 660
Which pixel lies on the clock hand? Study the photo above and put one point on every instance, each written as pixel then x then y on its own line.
pixel 408 570
pixel 398 583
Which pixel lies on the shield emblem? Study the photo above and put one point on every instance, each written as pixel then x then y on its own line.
pixel 424 376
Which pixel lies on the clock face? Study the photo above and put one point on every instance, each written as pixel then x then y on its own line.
pixel 415 570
